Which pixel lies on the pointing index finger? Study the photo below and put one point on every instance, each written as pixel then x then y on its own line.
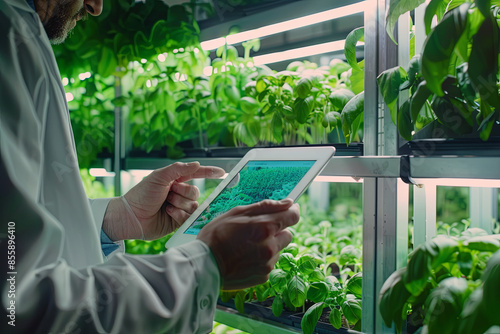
pixel 204 172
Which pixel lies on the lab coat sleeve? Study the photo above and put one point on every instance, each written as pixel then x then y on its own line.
pixel 175 292
pixel 41 291
pixel 99 207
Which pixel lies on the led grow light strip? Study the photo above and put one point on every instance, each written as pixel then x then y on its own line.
pixel 286 25
pixel 299 52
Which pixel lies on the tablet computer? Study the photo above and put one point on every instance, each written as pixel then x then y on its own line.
pixel 263 173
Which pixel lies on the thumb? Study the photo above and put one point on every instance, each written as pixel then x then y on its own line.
pixel 177 170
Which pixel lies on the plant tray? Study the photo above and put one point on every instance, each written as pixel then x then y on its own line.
pixel 462 146
pixel 322 327
pixel 263 311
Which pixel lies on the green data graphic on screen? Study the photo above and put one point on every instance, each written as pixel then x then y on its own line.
pixel 257 180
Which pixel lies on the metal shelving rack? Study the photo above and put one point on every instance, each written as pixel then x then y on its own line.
pixel 385 194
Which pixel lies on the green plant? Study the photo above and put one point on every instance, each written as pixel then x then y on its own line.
pixel 301 104
pixel 105 48
pixel 437 287
pixel 92 117
pixel 353 110
pixel 320 269
pixel 455 78
pixel 93 188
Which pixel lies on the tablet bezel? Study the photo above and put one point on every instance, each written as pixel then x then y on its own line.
pixel 321 155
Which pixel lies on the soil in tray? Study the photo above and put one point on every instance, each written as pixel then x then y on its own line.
pixel 324 327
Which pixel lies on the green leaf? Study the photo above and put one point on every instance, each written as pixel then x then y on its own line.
pixel 439 47
pixel 277 127
pixel 159 33
pixel 335 318
pixel 248 132
pixel 487 124
pixel 303 87
pixel 262 292
pixel 142 46
pixel 441 249
pixel 393 297
pixel 491 288
pixel 232 93
pixel 418 100
pixel 286 261
pixel 354 285
pixel 239 301
pixel 249 104
pixel 453 113
pixel 395 10
pixel 351 40
pixel 352 311
pixel 349 254
pixel 389 82
pixel 435 7
pixel 351 115
pixel 292 248
pixel 311 317
pixel 108 63
pixel 405 126
pixel 473 232
pixel 357 80
pixel 414 69
pixel 339 98
pixel 306 264
pixel 338 66
pixel 485 243
pixel 296 290
pixel 484 7
pixel 303 108
pixel 186 105
pixel 278 280
pixel 316 276
pixel 331 119
pixel 277 306
pixel 444 305
pixel 483 62
pixel 418 271
pixel 474 319
pixel 317 292
pixel 464 261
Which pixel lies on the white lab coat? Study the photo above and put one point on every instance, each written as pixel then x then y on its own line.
pixel 62 283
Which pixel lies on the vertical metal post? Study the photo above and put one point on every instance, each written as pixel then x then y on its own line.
pixel 117 164
pixel 424 213
pixel 420 35
pixel 383 237
pixel 391 235
pixel 319 195
pixel 370 294
pixel 370 145
pixel 483 207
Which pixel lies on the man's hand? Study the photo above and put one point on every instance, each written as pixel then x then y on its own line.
pixel 161 202
pixel 246 240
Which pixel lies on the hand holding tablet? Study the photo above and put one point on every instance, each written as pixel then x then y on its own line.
pixel 245 218
pixel 273 173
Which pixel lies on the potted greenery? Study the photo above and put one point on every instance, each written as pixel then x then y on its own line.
pixel 442 287
pixel 317 278
pixel 452 86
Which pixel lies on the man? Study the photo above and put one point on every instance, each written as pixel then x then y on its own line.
pixel 53 275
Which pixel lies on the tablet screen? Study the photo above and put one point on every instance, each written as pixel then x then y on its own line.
pixel 256 181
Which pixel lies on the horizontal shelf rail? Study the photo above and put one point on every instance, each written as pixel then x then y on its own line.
pixel 468 167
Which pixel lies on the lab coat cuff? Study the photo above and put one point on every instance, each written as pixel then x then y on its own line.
pixel 208 278
pixel 99 207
